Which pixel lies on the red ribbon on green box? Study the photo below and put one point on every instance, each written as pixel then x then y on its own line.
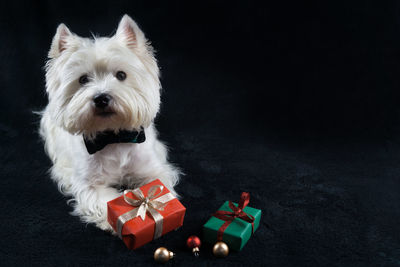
pixel 237 212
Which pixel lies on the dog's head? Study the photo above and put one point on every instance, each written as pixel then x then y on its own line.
pixel 102 83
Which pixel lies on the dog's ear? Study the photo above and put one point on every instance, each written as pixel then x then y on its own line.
pixel 60 41
pixel 131 35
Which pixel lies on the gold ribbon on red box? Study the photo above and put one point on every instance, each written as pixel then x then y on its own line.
pixel 151 203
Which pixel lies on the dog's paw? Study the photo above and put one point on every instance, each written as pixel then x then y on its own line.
pixel 105 226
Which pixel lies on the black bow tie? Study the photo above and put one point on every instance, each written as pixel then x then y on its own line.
pixel 109 137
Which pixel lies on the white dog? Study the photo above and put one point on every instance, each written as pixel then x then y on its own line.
pixel 104 94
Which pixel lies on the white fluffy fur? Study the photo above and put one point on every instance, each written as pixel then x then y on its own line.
pixel 90 180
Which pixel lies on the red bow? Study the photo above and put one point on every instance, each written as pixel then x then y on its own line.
pixel 237 212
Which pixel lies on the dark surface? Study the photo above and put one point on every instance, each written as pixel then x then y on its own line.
pixel 295 103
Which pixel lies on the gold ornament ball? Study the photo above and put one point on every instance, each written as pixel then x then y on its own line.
pixel 162 255
pixel 220 250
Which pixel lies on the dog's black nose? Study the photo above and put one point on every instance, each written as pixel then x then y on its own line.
pixel 102 100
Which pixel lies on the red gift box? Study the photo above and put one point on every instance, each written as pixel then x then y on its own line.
pixel 159 218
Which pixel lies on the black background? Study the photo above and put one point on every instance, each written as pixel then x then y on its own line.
pixel 296 103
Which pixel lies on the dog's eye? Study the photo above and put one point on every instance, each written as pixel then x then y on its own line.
pixel 120 75
pixel 83 79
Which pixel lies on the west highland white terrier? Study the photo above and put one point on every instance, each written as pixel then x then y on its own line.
pixel 104 94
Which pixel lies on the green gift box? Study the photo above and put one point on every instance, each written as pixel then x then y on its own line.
pixel 238 231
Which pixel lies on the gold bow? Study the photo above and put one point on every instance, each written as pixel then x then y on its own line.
pixel 150 203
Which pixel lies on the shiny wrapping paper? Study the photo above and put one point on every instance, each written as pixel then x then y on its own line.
pixel 137 232
pixel 237 233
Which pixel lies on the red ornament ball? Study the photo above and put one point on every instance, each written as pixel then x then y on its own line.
pixel 193 242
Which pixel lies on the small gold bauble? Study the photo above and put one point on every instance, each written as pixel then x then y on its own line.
pixel 220 249
pixel 162 255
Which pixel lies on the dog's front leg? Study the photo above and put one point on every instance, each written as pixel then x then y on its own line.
pixel 151 163
pixel 167 173
pixel 90 204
